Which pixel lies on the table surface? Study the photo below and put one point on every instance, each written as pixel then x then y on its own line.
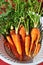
pixel 3 63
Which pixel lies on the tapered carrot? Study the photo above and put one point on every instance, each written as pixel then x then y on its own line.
pixel 13 48
pixel 37 48
pixel 35 36
pixel 33 48
pixel 27 45
pixel 22 32
pixel 16 41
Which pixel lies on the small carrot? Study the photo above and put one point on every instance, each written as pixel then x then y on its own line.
pixel 9 40
pixel 27 45
pixel 13 48
pixel 35 33
pixel 22 32
pixel 32 46
pixel 35 36
pixel 16 41
pixel 37 48
pixel 6 44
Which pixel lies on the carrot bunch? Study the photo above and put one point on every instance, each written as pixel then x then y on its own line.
pixel 22 44
pixel 22 41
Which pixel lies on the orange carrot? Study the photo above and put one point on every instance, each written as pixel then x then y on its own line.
pixel 13 48
pixel 35 36
pixel 16 41
pixel 37 48
pixel 22 32
pixel 27 45
pixel 9 40
pixel 32 46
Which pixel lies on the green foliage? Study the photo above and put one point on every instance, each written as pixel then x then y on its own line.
pixel 22 9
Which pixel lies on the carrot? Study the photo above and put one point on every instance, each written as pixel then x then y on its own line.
pixel 13 48
pixel 9 40
pixel 35 33
pixel 6 44
pixel 33 48
pixel 23 47
pixel 37 48
pixel 22 32
pixel 27 45
pixel 16 41
pixel 35 36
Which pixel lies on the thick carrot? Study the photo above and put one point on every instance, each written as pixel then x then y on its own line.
pixel 16 41
pixel 27 45
pixel 22 32
pixel 13 48
pixel 37 48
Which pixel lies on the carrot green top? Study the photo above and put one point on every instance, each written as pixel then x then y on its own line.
pixel 17 12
